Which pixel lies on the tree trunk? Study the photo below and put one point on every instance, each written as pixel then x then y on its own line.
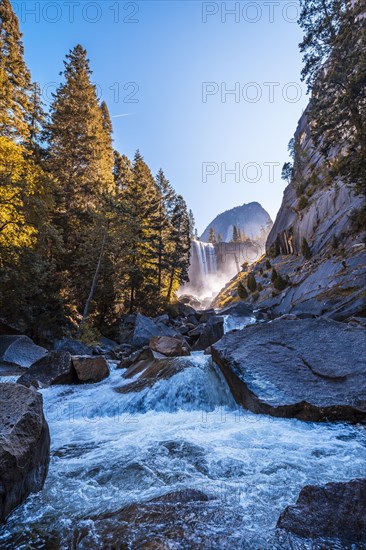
pixel 171 285
pixel 94 284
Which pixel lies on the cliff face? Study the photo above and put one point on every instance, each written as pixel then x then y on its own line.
pixel 330 279
pixel 327 210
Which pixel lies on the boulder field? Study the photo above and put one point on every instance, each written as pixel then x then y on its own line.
pixel 310 369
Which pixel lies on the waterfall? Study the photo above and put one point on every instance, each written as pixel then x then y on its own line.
pixel 202 270
pixel 203 260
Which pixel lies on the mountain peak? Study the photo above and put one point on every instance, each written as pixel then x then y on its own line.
pixel 251 219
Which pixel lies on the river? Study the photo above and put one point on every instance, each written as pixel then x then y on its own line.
pixel 109 450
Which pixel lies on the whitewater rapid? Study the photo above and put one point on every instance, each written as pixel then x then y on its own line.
pixel 109 450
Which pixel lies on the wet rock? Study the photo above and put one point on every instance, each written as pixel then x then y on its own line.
pixel 163 522
pixel 170 347
pixel 211 332
pixel 240 309
pixel 307 369
pixel 162 319
pixel 20 350
pixel 146 328
pixel 188 305
pixel 11 369
pixel 337 510
pixel 24 446
pixel 55 368
pixel 192 319
pixel 73 346
pixel 205 315
pixel 150 367
pixel 90 369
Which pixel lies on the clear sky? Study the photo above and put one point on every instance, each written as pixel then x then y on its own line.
pixel 167 67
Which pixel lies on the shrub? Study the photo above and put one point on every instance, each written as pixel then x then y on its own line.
pixel 275 249
pixel 251 282
pixel 268 264
pixel 280 283
pixel 302 202
pixel 259 287
pixel 274 275
pixel 242 291
pixel 305 249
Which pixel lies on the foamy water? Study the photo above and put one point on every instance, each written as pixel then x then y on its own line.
pixel 109 450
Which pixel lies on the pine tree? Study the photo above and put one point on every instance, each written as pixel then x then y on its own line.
pixel 212 236
pixel 219 238
pixel 80 158
pixel 15 78
pixel 192 224
pixel 122 171
pixel 236 235
pixel 79 144
pixel 251 282
pixel 162 223
pixel 280 283
pixel 242 291
pixel 305 249
pixel 181 246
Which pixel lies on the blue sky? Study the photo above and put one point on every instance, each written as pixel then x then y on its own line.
pixel 169 66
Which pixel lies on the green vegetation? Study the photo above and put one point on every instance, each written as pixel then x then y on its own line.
pixel 335 37
pixel 85 234
pixel 280 283
pixel 242 291
pixel 302 203
pixel 251 282
pixel 212 236
pixel 305 249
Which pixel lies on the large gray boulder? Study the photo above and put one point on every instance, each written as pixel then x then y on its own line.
pixel 311 369
pixel 20 350
pixel 55 368
pixel 210 333
pixel 75 347
pixel 145 329
pixel 337 510
pixel 24 446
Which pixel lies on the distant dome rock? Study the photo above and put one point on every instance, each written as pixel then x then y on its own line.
pixel 250 219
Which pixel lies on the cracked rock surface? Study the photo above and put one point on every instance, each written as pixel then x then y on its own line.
pixel 311 369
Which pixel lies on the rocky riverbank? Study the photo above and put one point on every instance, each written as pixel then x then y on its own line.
pixel 161 443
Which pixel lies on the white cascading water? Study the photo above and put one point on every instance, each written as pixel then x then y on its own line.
pixel 109 450
pixel 203 274
pixel 203 260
